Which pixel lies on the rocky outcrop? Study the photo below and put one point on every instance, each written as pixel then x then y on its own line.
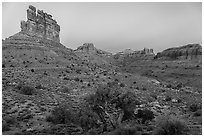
pixel 145 51
pixel 129 56
pixel 41 24
pixel 190 51
pixel 88 52
pixel 89 48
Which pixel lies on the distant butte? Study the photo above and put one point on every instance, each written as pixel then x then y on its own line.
pixel 41 24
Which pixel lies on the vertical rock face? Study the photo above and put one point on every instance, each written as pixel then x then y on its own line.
pixel 41 24
pixel 190 51
pixel 147 51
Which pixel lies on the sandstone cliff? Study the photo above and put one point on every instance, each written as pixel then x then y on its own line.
pixel 190 51
pixel 41 24
pixel 90 53
pixel 89 48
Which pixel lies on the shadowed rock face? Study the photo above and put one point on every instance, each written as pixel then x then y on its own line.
pixel 190 51
pixel 41 24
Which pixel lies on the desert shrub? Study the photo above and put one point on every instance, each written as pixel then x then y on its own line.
pixel 143 88
pixel 125 131
pixel 76 79
pixel 169 86
pixel 19 85
pixel 170 125
pixel 153 96
pixel 145 115
pixel 122 85
pixel 147 73
pixel 116 80
pixel 179 100
pixel 10 120
pixel 45 73
pixel 3 65
pixel 198 113
pixel 60 115
pixel 11 65
pixel 178 86
pixel 197 66
pixel 5 126
pixel 100 100
pixel 27 90
pixel 194 107
pixel 127 103
pixel 65 89
pixel 88 119
pixel 32 70
pixel 92 131
pixel 39 86
pixel 78 71
pixel 137 88
pixel 168 98
pixel 66 78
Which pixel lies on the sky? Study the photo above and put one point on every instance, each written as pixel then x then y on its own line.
pixel 116 26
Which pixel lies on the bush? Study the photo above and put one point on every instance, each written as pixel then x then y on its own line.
pixel 10 120
pixel 122 85
pixel 125 131
pixel 168 98
pixel 178 86
pixel 39 86
pixel 170 125
pixel 27 90
pixel 5 127
pixel 198 113
pixel 143 88
pixel 60 115
pixel 100 100
pixel 147 73
pixel 3 65
pixel 76 79
pixel 19 86
pixel 88 119
pixel 194 107
pixel 66 78
pixel 145 115
pixel 169 86
pixel 65 89
pixel 153 96
pixel 127 103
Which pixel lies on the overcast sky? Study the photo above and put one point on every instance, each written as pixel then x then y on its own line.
pixel 116 26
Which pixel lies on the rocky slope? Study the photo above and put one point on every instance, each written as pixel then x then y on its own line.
pixel 190 51
pixel 90 53
pixel 129 56
pixel 48 89
pixel 25 50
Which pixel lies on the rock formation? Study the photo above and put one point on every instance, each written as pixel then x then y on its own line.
pixel 190 51
pixel 90 49
pixel 41 24
pixel 145 51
